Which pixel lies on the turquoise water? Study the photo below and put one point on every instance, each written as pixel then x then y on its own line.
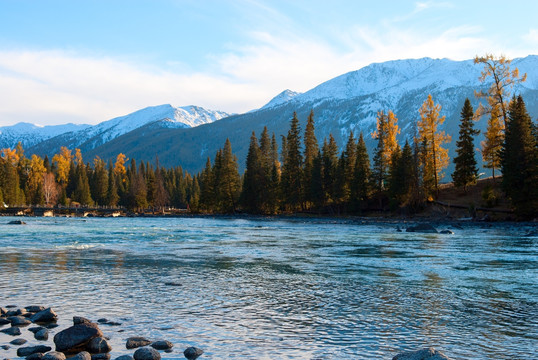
pixel 278 289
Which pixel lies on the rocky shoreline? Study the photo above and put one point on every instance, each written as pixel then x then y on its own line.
pixel 84 340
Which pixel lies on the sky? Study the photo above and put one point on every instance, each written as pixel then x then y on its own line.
pixel 77 61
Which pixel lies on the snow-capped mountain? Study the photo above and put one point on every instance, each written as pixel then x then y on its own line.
pixel 167 115
pixel 32 134
pixel 281 98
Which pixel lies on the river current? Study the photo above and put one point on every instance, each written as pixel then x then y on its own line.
pixel 281 289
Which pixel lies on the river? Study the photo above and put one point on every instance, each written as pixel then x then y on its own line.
pixel 281 288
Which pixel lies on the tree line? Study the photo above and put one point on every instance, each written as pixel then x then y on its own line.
pixel 302 175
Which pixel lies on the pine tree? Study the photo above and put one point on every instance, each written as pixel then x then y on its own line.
pixel 228 185
pixel 99 182
pixel 494 138
pixel 519 161
pixel 254 178
pixel 434 156
pixel 466 171
pixel 311 150
pixel 329 157
pixel 349 158
pixel 361 177
pixel 112 196
pixel 380 166
pixel 207 190
pixel 291 181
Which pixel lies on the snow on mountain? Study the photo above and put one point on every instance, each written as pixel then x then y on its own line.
pixel 281 98
pixel 31 134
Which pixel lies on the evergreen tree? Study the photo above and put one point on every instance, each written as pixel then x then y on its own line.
pixel 254 178
pixel 380 166
pixel 228 185
pixel 291 180
pixel 81 192
pixel 311 150
pixel 112 196
pixel 466 171
pixel 519 161
pixel 347 172
pixel 361 185
pixel 206 184
pixel 329 157
pixel 99 182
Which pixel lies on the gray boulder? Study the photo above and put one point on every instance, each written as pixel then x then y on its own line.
pixel 13 331
pixel 28 350
pixel 35 356
pixel 42 334
pixel 104 356
pixel 424 354
pixel 422 228
pixel 147 353
pixel 34 308
pixel 192 353
pixel 35 329
pixel 5 347
pixel 18 342
pixel 83 355
pixel 54 355
pixel 124 357
pixel 162 345
pixel 16 222
pixel 136 342
pixel 75 338
pixel 80 320
pixel 19 321
pixel 44 316
pixel 98 345
pixel 4 321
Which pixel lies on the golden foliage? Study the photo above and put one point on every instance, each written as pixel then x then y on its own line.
pixel 63 164
pixel 119 166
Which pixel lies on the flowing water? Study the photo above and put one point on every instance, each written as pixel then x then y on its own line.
pixel 280 289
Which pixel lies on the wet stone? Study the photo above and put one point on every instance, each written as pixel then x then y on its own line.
pixel 98 345
pixel 34 308
pixel 25 351
pixel 136 342
pixel 192 353
pixel 54 355
pixel 35 356
pixel 162 345
pixel 147 353
pixel 124 357
pixel 42 334
pixel 19 321
pixel 35 329
pixel 4 321
pixel 80 320
pixel 18 342
pixel 83 355
pixel 13 331
pixel 104 356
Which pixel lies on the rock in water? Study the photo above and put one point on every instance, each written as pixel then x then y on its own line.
pixel 47 315
pixel 98 345
pixel 4 321
pixel 100 356
pixel 75 338
pixel 28 350
pixel 18 342
pixel 80 320
pixel 54 355
pixel 83 355
pixel 447 232
pixel 34 308
pixel 124 357
pixel 42 334
pixel 13 331
pixel 147 353
pixel 422 228
pixel 17 222
pixel 35 356
pixel 162 345
pixel 424 354
pixel 35 329
pixel 19 321
pixel 137 341
pixel 192 353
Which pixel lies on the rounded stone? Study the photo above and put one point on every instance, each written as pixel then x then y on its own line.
pixel 44 316
pixel 192 353
pixel 75 338
pixel 83 355
pixel 54 355
pixel 98 345
pixel 147 353
pixel 124 357
pixel 136 342
pixel 101 356
pixel 35 356
pixel 80 320
pixel 28 350
pixel 162 345
pixel 19 321
pixel 13 331
pixel 42 334
pixel 18 342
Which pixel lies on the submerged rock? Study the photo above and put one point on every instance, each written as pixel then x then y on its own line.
pixel 4 321
pixel 147 353
pixel 13 331
pixel 422 228
pixel 192 353
pixel 44 316
pixel 75 338
pixel 19 321
pixel 162 345
pixel 136 342
pixel 103 356
pixel 54 355
pixel 35 329
pixel 80 320
pixel 18 342
pixel 28 350
pixel 34 308
pixel 16 222
pixel 447 232
pixel 124 357
pixel 35 356
pixel 424 354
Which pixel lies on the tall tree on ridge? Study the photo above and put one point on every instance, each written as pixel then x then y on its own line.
pixel 494 138
pixel 466 171
pixel 291 180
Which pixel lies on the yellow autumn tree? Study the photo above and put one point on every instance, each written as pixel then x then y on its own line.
pixel 63 164
pixel 387 128
pixel 10 155
pixel 499 92
pixel 494 138
pixel 434 158
pixel 36 173
pixel 119 166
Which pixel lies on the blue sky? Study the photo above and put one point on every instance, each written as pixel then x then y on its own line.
pixel 89 61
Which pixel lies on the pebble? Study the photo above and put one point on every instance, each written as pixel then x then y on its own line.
pixel 98 345
pixel 162 345
pixel 83 355
pixel 100 356
pixel 54 355
pixel 147 353
pixel 35 356
pixel 136 342
pixel 25 351
pixel 192 353
pixel 124 357
pixel 13 331
pixel 18 342
pixel 19 321
pixel 42 334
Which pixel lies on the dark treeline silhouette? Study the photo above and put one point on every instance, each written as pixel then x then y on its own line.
pixel 301 176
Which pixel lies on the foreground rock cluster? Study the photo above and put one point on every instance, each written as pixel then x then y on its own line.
pixel 84 340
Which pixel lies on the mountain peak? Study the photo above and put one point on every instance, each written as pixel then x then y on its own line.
pixel 281 98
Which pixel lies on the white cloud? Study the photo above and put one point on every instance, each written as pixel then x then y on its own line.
pixel 531 36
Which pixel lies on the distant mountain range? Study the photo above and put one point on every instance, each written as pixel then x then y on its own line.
pixel 187 136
